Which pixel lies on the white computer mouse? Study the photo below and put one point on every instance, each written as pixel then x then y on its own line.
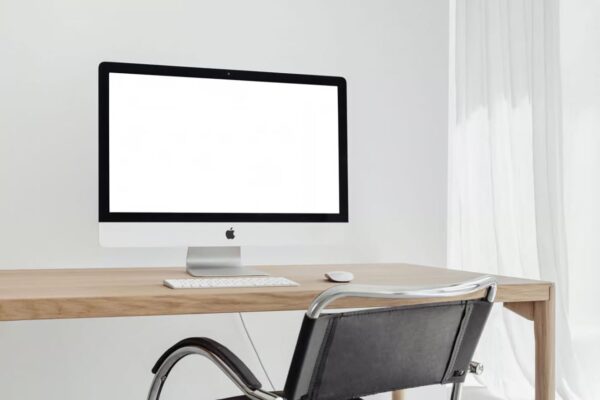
pixel 339 276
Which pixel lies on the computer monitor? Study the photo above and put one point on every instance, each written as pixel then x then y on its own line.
pixel 215 159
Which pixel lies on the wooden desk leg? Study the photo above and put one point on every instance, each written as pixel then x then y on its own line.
pixel 544 326
pixel 398 395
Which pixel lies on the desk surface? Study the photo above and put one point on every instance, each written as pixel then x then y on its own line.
pixel 116 292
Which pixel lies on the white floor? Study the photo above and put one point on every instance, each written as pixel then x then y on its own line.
pixel 443 393
pixel 478 394
pixel 587 351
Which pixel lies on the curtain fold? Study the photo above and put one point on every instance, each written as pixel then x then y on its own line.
pixel 505 190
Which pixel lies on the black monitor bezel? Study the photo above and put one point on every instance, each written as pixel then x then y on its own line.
pixel 105 215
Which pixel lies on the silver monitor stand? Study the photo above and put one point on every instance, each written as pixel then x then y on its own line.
pixel 218 261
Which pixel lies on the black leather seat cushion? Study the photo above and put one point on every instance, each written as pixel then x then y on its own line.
pixel 277 392
pixel 243 397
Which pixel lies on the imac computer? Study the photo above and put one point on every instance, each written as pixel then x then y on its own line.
pixel 213 160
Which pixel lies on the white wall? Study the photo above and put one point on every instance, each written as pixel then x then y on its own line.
pixel 393 54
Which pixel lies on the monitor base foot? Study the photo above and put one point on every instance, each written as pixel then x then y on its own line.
pixel 218 261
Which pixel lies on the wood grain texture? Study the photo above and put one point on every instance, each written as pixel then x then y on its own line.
pixel 399 395
pixel 115 292
pixel 524 309
pixel 544 331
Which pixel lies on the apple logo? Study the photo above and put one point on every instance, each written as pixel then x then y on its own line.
pixel 230 234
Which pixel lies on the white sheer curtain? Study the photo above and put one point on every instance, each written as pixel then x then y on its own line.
pixel 506 212
pixel 580 76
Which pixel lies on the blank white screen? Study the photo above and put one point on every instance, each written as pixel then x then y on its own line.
pixel 199 145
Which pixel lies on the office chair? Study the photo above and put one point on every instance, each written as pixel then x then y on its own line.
pixel 346 355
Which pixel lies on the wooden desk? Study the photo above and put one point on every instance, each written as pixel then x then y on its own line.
pixel 87 293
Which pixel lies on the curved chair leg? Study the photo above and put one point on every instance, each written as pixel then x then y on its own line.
pixel 163 372
pixel 456 391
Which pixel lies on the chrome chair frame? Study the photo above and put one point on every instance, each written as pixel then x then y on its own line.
pixel 315 309
pixel 402 292
pixel 163 372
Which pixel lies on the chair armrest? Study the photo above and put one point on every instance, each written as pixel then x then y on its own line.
pixel 219 351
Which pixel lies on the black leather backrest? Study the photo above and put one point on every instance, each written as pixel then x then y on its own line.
pixel 347 355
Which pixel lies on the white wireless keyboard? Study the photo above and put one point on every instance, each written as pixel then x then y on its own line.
pixel 209 283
